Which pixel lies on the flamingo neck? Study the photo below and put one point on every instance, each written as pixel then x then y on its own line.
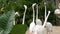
pixel 33 14
pixel 45 11
pixel 45 20
pixel 37 11
pixel 24 16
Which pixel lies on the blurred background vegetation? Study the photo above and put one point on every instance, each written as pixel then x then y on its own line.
pixel 18 5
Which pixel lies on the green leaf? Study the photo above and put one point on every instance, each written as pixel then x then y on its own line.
pixel 6 22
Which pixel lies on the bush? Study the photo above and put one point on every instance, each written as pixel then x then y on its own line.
pixel 19 29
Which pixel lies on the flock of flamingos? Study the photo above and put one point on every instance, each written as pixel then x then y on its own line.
pixel 38 28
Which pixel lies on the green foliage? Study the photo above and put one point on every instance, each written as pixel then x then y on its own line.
pixel 6 22
pixel 19 29
pixel 17 5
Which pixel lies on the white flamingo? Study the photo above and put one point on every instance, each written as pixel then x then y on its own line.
pixel 38 20
pixel 57 11
pixel 39 29
pixel 24 14
pixel 48 25
pixel 32 24
pixel 16 13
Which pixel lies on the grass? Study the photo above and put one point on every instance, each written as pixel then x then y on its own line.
pixel 19 29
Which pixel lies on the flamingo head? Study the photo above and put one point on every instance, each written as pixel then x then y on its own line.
pixel 49 12
pixel 44 3
pixel 17 13
pixel 33 4
pixel 25 6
